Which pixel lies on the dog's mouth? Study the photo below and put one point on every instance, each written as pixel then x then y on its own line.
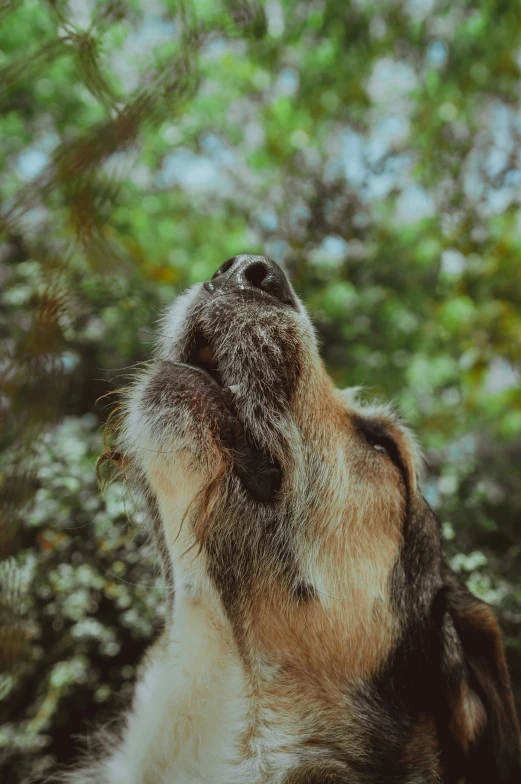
pixel 258 471
pixel 202 357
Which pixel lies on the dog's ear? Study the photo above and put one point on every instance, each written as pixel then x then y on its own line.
pixel 481 728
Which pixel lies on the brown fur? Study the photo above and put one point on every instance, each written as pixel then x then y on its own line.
pixel 322 773
pixel 484 723
pixel 423 740
pixel 293 514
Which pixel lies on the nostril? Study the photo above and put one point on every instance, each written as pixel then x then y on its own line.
pixel 224 267
pixel 256 275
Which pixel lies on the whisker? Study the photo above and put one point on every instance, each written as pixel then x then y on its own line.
pixel 127 582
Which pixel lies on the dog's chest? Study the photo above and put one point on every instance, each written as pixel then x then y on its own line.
pixel 194 718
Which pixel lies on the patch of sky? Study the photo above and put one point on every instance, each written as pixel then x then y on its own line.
pixel 380 183
pixel 137 47
pixel 31 163
pixel 419 9
pixel 376 148
pixel 254 135
pixel 390 80
pixel 501 376
pixel 513 179
pixel 268 220
pixel 377 27
pixel 154 31
pixel 69 361
pixel 120 163
pixel 496 161
pixel 220 153
pixel 453 263
pixel 352 157
pixel 431 492
pixel 214 48
pixel 193 173
pixel 468 563
pixel 278 250
pixel 393 128
pixel 288 82
pixel 437 53
pixel 473 185
pixel 330 253
pixel 141 176
pixel 461 449
pixel 361 159
pixel 34 220
pixel 274 18
pixel 498 201
pixel 414 204
pixel 502 120
pixel 79 12
pixel 299 214
pixel 378 186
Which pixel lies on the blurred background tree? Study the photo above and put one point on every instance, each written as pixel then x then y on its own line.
pixel 371 147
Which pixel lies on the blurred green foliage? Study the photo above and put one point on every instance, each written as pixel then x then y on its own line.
pixel 370 147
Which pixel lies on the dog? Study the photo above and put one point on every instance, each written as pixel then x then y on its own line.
pixel 315 633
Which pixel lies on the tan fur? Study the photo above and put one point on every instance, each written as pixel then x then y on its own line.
pixel 285 610
pixel 349 538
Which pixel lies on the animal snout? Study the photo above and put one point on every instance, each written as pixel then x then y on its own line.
pixel 252 274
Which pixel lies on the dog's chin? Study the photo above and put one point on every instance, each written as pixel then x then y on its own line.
pixel 260 474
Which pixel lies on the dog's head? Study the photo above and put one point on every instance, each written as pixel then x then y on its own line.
pixel 296 510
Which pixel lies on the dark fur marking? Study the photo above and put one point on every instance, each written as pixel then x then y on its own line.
pixel 167 568
pixel 260 474
pixel 319 773
pixel 410 684
pixel 303 593
pixel 417 574
pixel 496 754
pixel 444 655
pixel 237 567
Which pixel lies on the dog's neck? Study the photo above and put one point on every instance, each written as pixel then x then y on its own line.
pixel 258 672
pixel 259 707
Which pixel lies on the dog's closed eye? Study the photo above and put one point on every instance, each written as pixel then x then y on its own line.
pixel 379 439
pixel 380 447
pixel 384 444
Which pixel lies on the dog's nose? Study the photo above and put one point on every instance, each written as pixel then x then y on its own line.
pixel 249 273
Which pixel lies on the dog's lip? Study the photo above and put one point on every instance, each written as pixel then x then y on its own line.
pixel 227 393
pixel 202 357
pixel 203 371
pixel 214 291
pixel 259 473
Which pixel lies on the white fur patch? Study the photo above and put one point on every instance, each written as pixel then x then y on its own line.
pixel 192 712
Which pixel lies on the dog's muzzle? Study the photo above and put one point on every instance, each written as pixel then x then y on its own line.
pixel 257 280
